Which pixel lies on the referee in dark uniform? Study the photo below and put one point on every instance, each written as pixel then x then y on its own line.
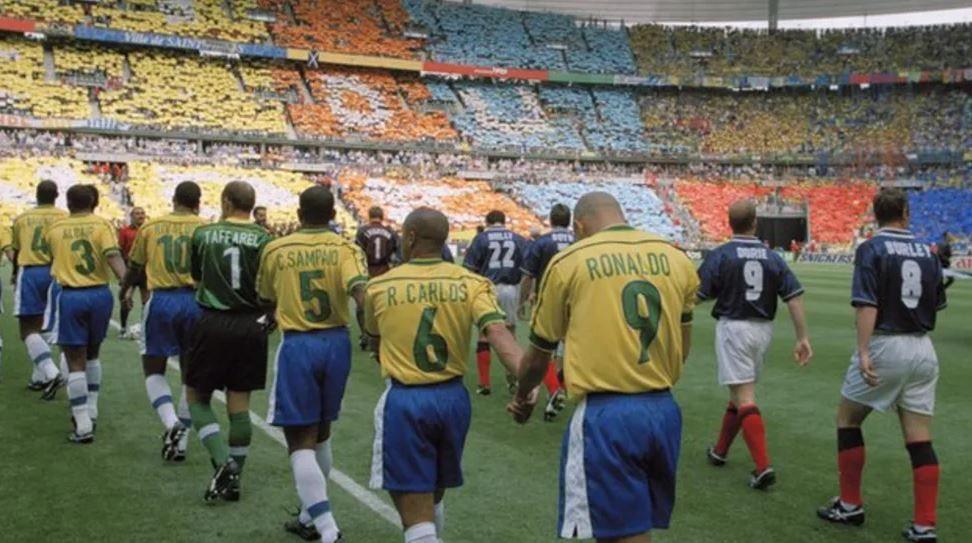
pixel 228 347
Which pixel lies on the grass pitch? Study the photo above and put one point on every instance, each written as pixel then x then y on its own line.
pixel 118 489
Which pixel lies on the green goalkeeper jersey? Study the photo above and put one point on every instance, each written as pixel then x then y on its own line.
pixel 225 258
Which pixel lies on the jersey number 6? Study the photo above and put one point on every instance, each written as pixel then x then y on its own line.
pixel 641 303
pixel 430 350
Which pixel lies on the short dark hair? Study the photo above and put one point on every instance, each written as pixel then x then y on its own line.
pixel 240 195
pixel 376 213
pixel 258 208
pixel 81 198
pixel 187 194
pixel 316 205
pixel 560 216
pixel 495 217
pixel 890 204
pixel 95 196
pixel 46 192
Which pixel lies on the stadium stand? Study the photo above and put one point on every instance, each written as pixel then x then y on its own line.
pixel 170 91
pixel 465 202
pixel 366 104
pixel 939 210
pixel 488 36
pixel 364 27
pixel 837 210
pixel 26 89
pixel 19 178
pixel 642 206
pixel 202 18
pixel 686 51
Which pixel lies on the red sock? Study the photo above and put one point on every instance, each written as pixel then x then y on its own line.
pixel 730 427
pixel 925 472
pixel 755 435
pixel 482 362
pixel 850 463
pixel 550 380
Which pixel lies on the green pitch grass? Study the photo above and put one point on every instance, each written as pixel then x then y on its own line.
pixel 118 489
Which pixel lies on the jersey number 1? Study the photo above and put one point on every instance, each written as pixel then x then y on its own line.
pixel 234 258
pixel 641 303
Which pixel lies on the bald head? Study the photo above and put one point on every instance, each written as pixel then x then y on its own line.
pixel 238 198
pixel 594 212
pixel 742 217
pixel 424 233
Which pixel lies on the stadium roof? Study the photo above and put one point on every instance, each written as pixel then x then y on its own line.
pixel 643 11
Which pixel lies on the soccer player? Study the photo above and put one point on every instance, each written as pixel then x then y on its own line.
pixel 83 247
pixel 33 259
pixel 421 315
pixel 897 291
pixel 534 264
pixel 260 217
pixel 379 242
pixel 126 239
pixel 6 240
pixel 160 259
pixel 309 276
pixel 745 278
pixel 497 254
pixel 228 346
pixel 622 302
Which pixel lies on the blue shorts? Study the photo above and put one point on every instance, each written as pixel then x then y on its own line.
pixel 83 315
pixel 30 291
pixel 50 311
pixel 310 372
pixel 420 432
pixel 167 319
pixel 617 465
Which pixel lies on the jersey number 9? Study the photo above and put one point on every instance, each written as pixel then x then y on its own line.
pixel 641 303
pixel 753 275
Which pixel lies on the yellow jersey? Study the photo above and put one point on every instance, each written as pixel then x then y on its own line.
pixel 424 312
pixel 618 299
pixel 6 238
pixel 162 248
pixel 79 244
pixel 28 235
pixel 310 275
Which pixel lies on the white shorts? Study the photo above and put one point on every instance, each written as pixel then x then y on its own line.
pixel 741 346
pixel 509 301
pixel 907 369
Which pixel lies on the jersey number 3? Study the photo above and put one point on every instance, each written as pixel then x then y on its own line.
pixel 641 303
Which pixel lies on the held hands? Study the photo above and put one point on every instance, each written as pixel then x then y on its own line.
pixel 802 352
pixel 521 406
pixel 867 369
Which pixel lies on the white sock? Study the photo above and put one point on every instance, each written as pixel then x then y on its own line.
pixel 93 373
pixel 325 459
pixel 440 518
pixel 160 395
pixel 77 389
pixel 312 489
pixel 40 353
pixel 185 418
pixel 423 532
pixel 37 376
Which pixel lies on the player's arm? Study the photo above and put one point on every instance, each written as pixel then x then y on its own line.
pixel 708 275
pixel 690 297
pixel 791 291
pixel 117 264
pixel 370 324
pixel 474 255
pixel 550 318
pixel 864 298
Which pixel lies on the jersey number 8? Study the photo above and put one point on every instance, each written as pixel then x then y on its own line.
pixel 910 283
pixel 641 303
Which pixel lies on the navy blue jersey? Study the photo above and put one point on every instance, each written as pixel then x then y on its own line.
pixel 540 252
pixel 745 278
pixel 902 279
pixel 497 254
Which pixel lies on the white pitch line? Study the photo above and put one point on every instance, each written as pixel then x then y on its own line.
pixel 366 497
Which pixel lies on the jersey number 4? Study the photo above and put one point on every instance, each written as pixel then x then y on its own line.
pixel 501 254
pixel 641 304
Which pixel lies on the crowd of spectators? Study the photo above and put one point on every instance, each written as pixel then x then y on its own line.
pixel 18 180
pixel 687 51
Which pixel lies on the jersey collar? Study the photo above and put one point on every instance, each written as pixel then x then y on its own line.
pixel 425 261
pixel 234 220
pixel 318 229
pixel 747 239
pixel 618 228
pixel 896 233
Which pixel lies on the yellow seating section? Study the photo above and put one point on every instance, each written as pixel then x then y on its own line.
pixel 23 85
pixel 19 178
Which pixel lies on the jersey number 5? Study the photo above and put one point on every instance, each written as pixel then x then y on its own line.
pixel 308 294
pixel 430 349
pixel 641 303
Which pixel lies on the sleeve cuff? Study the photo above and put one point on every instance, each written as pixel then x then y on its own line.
pixel 526 272
pixel 542 344
pixel 858 302
pixel 111 251
pixel 687 318
pixel 359 279
pixel 490 318
pixel 792 295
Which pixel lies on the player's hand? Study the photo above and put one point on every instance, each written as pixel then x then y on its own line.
pixel 802 352
pixel 268 323
pixel 521 407
pixel 867 369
